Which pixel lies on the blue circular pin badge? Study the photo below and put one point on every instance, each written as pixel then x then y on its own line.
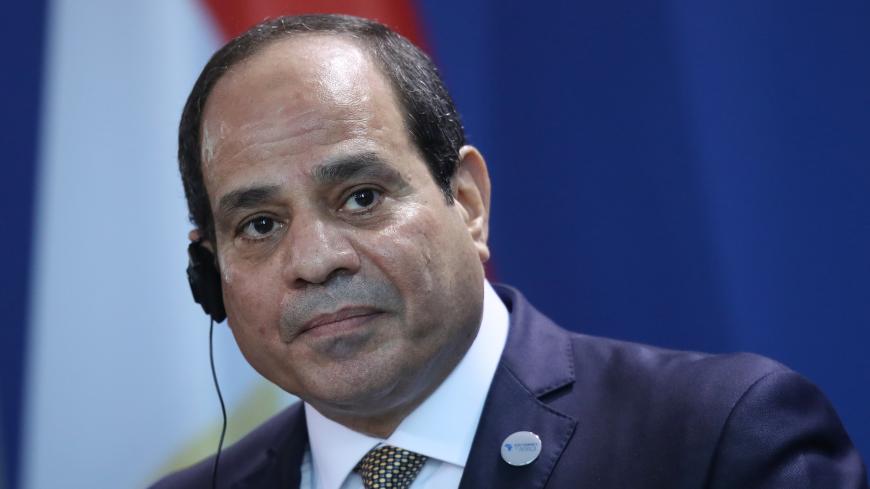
pixel 521 448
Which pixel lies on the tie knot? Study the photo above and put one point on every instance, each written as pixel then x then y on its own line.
pixel 387 467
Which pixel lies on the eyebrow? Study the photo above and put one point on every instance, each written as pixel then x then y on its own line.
pixel 362 165
pixel 246 198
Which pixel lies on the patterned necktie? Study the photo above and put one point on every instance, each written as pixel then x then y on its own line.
pixel 387 467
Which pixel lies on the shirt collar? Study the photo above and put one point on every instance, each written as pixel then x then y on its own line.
pixel 442 427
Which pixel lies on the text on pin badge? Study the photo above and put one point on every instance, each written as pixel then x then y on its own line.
pixel 521 448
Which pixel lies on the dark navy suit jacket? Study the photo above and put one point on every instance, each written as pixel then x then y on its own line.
pixel 610 414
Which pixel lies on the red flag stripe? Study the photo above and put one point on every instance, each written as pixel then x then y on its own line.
pixel 234 16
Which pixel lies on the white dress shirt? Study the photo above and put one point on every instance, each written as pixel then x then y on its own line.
pixel 441 428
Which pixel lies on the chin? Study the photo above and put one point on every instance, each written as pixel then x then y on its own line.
pixel 360 390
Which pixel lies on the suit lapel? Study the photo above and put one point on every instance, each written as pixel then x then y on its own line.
pixel 279 464
pixel 537 361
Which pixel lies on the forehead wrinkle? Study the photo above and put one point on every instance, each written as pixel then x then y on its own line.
pixel 255 130
pixel 306 126
pixel 257 149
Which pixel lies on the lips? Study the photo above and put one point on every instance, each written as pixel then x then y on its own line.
pixel 347 317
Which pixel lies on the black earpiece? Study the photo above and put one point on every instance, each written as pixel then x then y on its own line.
pixel 205 285
pixel 205 281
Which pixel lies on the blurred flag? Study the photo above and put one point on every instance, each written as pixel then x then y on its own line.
pixel 119 387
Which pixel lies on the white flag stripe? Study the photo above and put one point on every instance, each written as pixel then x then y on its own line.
pixel 118 374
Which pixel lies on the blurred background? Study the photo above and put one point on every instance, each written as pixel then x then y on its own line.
pixel 694 175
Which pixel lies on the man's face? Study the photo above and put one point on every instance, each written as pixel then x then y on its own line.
pixel 348 279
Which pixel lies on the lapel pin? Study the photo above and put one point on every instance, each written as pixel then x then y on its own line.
pixel 521 448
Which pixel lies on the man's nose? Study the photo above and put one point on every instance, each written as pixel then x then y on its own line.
pixel 318 251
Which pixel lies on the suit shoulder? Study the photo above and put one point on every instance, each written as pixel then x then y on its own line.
pixel 672 383
pixel 242 457
pixel 653 417
pixel 783 421
pixel 624 367
pixel 735 420
pixel 664 366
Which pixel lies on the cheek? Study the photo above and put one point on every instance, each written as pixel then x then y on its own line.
pixel 426 253
pixel 253 318
pixel 252 311
pixel 407 250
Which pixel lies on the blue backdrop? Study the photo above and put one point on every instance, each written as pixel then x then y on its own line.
pixel 689 174
pixel 694 175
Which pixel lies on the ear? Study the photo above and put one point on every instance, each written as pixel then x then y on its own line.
pixel 471 190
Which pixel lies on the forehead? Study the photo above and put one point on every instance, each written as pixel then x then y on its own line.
pixel 322 69
pixel 307 91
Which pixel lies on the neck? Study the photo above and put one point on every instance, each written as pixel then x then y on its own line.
pixel 375 426
pixel 383 423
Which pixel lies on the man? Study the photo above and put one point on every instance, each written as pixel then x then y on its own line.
pixel 326 169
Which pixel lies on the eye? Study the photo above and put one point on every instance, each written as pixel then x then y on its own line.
pixel 361 200
pixel 259 227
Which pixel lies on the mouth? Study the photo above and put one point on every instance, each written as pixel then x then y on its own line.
pixel 345 319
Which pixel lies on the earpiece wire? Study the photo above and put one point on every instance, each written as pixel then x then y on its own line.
pixel 217 388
